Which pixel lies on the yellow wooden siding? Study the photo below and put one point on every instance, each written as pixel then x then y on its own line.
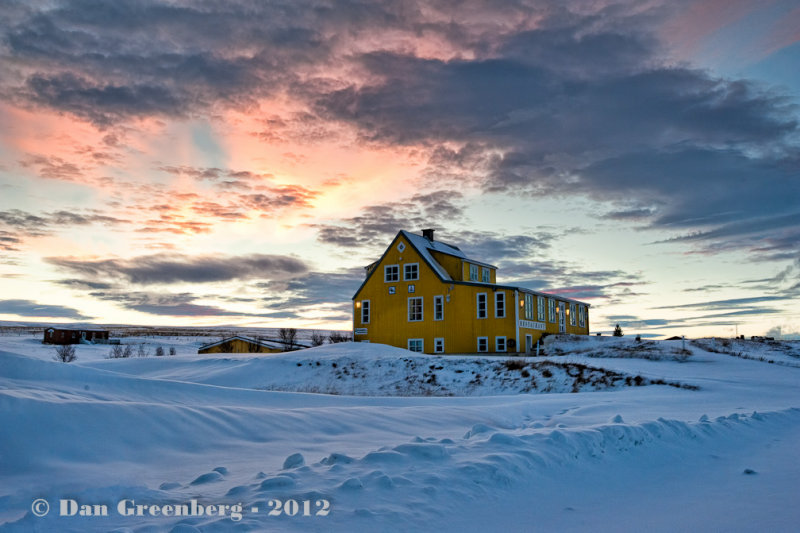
pixel 450 263
pixel 460 329
pixel 238 346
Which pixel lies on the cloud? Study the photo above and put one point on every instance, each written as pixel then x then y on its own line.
pixel 29 308
pixel 167 304
pixel 175 268
pixel 727 304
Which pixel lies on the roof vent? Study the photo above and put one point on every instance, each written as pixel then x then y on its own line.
pixel 428 234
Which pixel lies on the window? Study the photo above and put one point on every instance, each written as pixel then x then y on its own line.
pixel 401 247
pixel 411 288
pixel 391 273
pixel 572 316
pixel 582 316
pixel 481 299
pixel 540 308
pixel 551 310
pixel 415 345
pixel 528 306
pixel 499 344
pixel 410 271
pixel 438 307
pixel 415 309
pixel 486 275
pixel 438 345
pixel 365 312
pixel 483 344
pixel 500 304
pixel 473 272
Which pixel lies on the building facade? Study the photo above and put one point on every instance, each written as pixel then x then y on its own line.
pixel 428 296
pixel 75 336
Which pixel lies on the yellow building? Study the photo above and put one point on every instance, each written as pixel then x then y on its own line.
pixel 429 297
pixel 240 344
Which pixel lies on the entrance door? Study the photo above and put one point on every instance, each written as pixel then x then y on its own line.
pixel 528 343
pixel 562 324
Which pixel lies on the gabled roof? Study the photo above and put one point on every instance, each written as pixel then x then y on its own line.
pixel 266 343
pixel 423 246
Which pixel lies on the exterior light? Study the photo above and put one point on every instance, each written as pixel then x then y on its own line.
pixel 358 304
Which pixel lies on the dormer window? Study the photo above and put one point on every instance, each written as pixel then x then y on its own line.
pixel 487 276
pixel 473 273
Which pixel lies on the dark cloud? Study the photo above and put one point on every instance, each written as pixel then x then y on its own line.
pixel 29 308
pixel 727 304
pixel 175 268
pixel 376 225
pixel 24 224
pixel 167 304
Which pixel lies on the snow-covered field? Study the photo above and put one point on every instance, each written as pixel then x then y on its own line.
pixel 603 434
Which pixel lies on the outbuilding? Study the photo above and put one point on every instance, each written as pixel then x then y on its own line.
pixel 75 336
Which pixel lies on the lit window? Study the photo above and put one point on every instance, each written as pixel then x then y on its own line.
pixel 551 310
pixel 500 304
pixel 473 273
pixel 483 344
pixel 482 305
pixel 365 312
pixel 438 307
pixel 415 345
pixel 528 306
pixel 500 344
pixel 540 308
pixel 411 271
pixel 487 277
pixel 572 316
pixel 391 273
pixel 415 309
pixel 438 345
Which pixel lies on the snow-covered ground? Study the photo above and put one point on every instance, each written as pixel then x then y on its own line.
pixel 602 434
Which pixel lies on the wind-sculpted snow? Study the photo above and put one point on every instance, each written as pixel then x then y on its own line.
pixel 437 454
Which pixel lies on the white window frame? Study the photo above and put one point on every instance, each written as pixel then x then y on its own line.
pixel 528 306
pixel 551 310
pixel 438 345
pixel 582 316
pixel 486 275
pixel 438 308
pixel 415 276
pixel 478 305
pixel 365 311
pixel 421 309
pixel 386 274
pixel 497 341
pixel 572 313
pixel 498 297
pixel 421 345
pixel 474 273
pixel 540 308
pixel 486 344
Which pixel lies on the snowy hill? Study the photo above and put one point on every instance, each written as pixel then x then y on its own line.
pixel 374 438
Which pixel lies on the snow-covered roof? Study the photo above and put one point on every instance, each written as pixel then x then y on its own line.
pixel 266 343
pixel 424 246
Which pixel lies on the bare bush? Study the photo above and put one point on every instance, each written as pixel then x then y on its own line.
pixel 288 337
pixel 172 350
pixel 128 352
pixel 338 336
pixel 317 338
pixel 159 351
pixel 65 353
pixel 116 352
pixel 142 351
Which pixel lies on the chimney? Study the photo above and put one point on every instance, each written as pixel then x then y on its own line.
pixel 428 234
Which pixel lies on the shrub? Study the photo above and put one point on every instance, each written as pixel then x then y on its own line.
pixel 159 351
pixel 338 336
pixel 116 352
pixel 317 338
pixel 288 337
pixel 65 353
pixel 618 331
pixel 172 350
pixel 142 351
pixel 128 352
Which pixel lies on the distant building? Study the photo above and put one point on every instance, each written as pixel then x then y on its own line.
pixel 428 296
pixel 240 344
pixel 75 336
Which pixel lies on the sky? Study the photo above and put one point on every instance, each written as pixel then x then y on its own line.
pixel 240 162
